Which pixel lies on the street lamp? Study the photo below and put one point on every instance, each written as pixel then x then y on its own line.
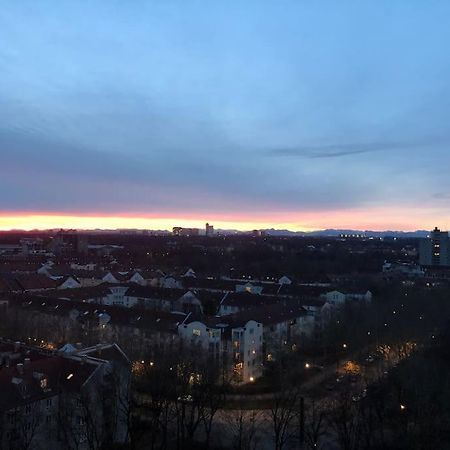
pixel 307 366
pixel 344 345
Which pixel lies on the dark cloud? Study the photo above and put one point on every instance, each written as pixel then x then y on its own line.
pixel 339 150
pixel 441 195
pixel 45 173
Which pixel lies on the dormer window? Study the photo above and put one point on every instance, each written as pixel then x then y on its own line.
pixel 43 383
pixel 42 380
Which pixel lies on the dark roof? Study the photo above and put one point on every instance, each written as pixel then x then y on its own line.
pixel 271 314
pixel 245 300
pixel 8 283
pixel 19 266
pixel 21 388
pixel 136 290
pixel 82 293
pixel 160 321
pixel 36 281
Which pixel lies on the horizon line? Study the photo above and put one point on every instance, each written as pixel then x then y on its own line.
pixel 299 222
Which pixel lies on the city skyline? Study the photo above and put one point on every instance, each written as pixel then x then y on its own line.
pixel 151 115
pixel 39 221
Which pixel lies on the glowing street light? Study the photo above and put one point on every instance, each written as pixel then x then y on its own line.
pixel 307 366
pixel 344 345
pixel 402 407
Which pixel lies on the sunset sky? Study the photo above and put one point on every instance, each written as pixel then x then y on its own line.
pixel 287 114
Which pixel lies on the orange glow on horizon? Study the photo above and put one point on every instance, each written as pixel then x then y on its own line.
pixel 374 219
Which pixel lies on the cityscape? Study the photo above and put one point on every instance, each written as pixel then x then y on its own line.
pixel 197 339
pixel 224 225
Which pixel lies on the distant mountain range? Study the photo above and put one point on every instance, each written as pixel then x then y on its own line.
pixel 331 232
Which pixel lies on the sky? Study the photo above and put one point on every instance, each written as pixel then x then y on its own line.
pixel 258 114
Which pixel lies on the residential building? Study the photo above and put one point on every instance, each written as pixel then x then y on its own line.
pixel 435 250
pixel 235 343
pixel 339 297
pixel 180 231
pixel 74 398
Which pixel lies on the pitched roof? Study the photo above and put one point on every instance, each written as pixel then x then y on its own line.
pixel 19 387
pixel 36 281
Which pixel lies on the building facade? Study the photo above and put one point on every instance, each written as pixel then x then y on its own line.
pixel 435 250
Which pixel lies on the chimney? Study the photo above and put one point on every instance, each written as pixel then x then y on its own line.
pixel 20 368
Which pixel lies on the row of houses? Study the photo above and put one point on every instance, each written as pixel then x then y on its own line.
pixel 55 319
pixel 190 300
pixel 105 314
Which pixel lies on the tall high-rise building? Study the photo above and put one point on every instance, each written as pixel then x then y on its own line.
pixel 435 250
pixel 209 229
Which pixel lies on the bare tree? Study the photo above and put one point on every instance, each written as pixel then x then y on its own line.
pixel 243 426
pixel 26 421
pixel 283 412
pixel 315 425
pixel 343 420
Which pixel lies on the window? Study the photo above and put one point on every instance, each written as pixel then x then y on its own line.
pixel 251 330
pixel 49 402
pixel 44 383
pixel 196 332
pixel 214 334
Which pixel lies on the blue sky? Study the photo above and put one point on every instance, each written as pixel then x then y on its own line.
pixel 242 109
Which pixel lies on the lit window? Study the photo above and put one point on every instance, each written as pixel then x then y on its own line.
pixel 196 332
